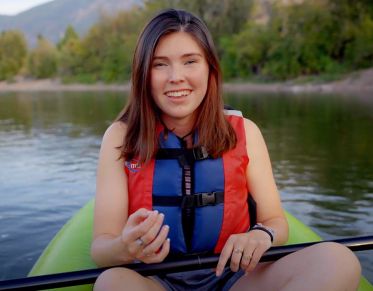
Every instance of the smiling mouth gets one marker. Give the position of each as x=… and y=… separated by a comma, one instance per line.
x=180, y=93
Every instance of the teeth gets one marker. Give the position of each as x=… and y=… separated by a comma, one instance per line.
x=178, y=93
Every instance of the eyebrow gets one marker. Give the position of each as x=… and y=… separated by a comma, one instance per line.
x=183, y=56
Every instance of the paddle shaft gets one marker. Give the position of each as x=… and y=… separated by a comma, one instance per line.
x=171, y=266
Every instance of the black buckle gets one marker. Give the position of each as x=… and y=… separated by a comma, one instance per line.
x=200, y=153
x=201, y=199
x=205, y=199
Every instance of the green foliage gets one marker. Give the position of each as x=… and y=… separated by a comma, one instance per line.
x=303, y=39
x=300, y=47
x=70, y=35
x=70, y=54
x=105, y=53
x=321, y=37
x=43, y=59
x=359, y=52
x=222, y=17
x=13, y=51
x=245, y=53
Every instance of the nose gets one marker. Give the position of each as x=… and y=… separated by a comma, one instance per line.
x=176, y=74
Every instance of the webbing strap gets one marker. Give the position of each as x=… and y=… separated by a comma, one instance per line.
x=190, y=201
x=183, y=155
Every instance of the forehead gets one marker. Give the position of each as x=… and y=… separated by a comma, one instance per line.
x=177, y=44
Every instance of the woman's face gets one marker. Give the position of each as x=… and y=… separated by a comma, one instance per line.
x=179, y=77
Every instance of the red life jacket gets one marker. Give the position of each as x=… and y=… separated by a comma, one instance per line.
x=218, y=201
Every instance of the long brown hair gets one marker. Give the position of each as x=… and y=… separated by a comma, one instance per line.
x=141, y=113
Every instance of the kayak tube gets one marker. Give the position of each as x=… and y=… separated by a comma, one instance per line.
x=69, y=250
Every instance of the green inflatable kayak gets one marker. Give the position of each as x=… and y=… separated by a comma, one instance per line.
x=70, y=248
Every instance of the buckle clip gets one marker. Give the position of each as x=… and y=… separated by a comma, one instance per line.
x=207, y=199
x=200, y=153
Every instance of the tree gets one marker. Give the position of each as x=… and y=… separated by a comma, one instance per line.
x=70, y=53
x=43, y=59
x=359, y=52
x=13, y=51
x=223, y=18
x=70, y=35
x=299, y=47
x=107, y=49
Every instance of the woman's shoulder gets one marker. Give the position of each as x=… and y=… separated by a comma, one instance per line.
x=251, y=128
x=115, y=132
x=254, y=137
x=249, y=125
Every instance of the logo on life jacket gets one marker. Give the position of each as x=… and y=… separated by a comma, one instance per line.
x=133, y=165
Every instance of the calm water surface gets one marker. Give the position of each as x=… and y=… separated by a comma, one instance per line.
x=321, y=150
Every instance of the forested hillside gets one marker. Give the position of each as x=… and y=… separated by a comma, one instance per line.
x=261, y=40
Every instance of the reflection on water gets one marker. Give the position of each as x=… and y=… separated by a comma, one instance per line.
x=49, y=143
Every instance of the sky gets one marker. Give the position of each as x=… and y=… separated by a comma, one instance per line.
x=12, y=7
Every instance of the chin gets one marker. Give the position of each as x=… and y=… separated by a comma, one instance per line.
x=179, y=114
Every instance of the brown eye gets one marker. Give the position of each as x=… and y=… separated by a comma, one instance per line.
x=190, y=62
x=159, y=64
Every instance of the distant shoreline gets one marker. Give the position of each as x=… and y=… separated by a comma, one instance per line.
x=359, y=82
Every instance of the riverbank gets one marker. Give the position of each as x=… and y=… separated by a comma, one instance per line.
x=357, y=82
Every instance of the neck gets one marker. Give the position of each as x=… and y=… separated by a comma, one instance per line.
x=180, y=127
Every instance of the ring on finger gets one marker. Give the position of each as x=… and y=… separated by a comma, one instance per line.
x=238, y=251
x=139, y=242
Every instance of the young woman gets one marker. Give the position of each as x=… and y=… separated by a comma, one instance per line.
x=174, y=175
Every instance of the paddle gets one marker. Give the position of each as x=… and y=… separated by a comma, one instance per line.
x=170, y=266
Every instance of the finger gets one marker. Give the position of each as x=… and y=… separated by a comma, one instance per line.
x=236, y=258
x=137, y=246
x=138, y=216
x=257, y=254
x=245, y=260
x=154, y=230
x=142, y=228
x=247, y=254
x=224, y=256
x=164, y=251
x=157, y=243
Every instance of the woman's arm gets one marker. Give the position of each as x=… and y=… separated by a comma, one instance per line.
x=111, y=204
x=117, y=237
x=262, y=184
x=246, y=249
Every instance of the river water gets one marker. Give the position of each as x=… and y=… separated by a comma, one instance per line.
x=320, y=146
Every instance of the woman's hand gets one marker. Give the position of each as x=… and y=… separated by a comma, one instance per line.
x=145, y=238
x=245, y=251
